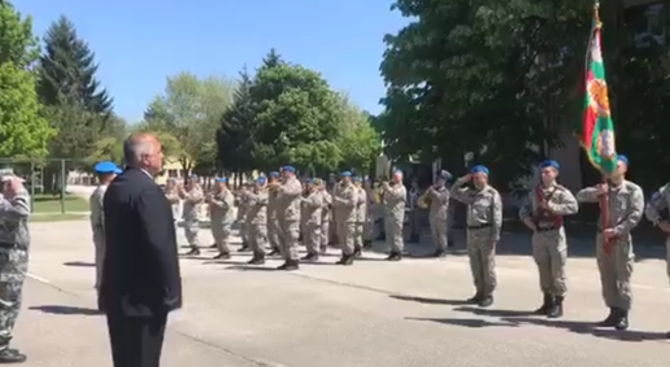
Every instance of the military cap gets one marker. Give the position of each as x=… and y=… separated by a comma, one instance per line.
x=622, y=158
x=356, y=178
x=274, y=174
x=479, y=168
x=288, y=169
x=550, y=163
x=398, y=172
x=106, y=167
x=222, y=179
x=261, y=180
x=346, y=174
x=444, y=175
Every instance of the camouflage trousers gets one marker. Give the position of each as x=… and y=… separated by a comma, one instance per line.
x=221, y=234
x=325, y=232
x=244, y=232
x=13, y=269
x=311, y=237
x=346, y=230
x=191, y=230
x=273, y=233
x=289, y=234
x=550, y=252
x=393, y=226
x=359, y=231
x=438, y=230
x=99, y=244
x=481, y=252
x=616, y=270
x=258, y=237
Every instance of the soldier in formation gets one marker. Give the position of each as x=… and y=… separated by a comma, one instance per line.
x=394, y=196
x=438, y=197
x=273, y=223
x=242, y=208
x=368, y=226
x=413, y=212
x=257, y=220
x=288, y=211
x=614, y=244
x=193, y=197
x=14, y=247
x=345, y=199
x=172, y=196
x=543, y=212
x=312, y=207
x=106, y=172
x=326, y=215
x=657, y=214
x=361, y=215
x=484, y=222
x=221, y=205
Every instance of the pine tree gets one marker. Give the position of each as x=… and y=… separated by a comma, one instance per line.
x=67, y=72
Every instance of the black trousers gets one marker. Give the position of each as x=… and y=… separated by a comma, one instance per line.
x=136, y=341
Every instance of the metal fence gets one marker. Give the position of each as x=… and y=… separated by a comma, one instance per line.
x=56, y=186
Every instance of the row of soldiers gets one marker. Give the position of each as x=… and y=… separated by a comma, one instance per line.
x=274, y=208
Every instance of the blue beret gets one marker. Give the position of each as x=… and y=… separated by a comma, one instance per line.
x=396, y=172
x=346, y=174
x=261, y=180
x=479, y=168
x=288, y=168
x=222, y=179
x=444, y=175
x=623, y=158
x=312, y=180
x=550, y=163
x=107, y=167
x=356, y=179
x=274, y=174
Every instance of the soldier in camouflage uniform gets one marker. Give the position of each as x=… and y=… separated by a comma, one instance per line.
x=438, y=196
x=657, y=213
x=273, y=223
x=543, y=213
x=345, y=199
x=368, y=226
x=172, y=196
x=14, y=246
x=361, y=215
x=288, y=212
x=484, y=220
x=193, y=197
x=326, y=215
x=242, y=208
x=614, y=244
x=257, y=220
x=312, y=207
x=394, y=197
x=221, y=204
x=106, y=172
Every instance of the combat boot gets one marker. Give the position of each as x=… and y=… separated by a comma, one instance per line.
x=245, y=247
x=556, y=309
x=394, y=256
x=485, y=301
x=622, y=320
x=611, y=320
x=358, y=251
x=346, y=260
x=193, y=252
x=476, y=298
x=258, y=259
x=311, y=256
x=367, y=244
x=9, y=355
x=546, y=305
x=222, y=256
x=289, y=265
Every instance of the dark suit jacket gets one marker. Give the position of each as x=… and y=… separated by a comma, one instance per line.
x=140, y=275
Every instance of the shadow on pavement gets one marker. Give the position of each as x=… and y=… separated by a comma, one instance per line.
x=430, y=301
x=250, y=268
x=79, y=264
x=66, y=310
x=471, y=323
x=494, y=312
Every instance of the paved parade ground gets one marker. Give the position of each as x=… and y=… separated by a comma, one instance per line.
x=375, y=313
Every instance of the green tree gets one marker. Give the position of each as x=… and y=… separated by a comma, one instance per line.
x=488, y=77
x=190, y=110
x=235, y=143
x=297, y=117
x=23, y=131
x=358, y=141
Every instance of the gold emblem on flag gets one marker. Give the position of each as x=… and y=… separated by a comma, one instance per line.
x=606, y=144
x=600, y=103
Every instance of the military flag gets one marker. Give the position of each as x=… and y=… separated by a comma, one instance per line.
x=598, y=128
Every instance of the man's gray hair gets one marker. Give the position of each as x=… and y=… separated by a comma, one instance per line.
x=137, y=145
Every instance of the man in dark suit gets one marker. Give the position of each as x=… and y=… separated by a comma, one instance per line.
x=141, y=281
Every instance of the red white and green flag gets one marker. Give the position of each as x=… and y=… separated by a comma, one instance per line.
x=598, y=127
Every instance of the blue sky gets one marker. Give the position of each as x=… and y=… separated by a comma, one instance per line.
x=138, y=43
